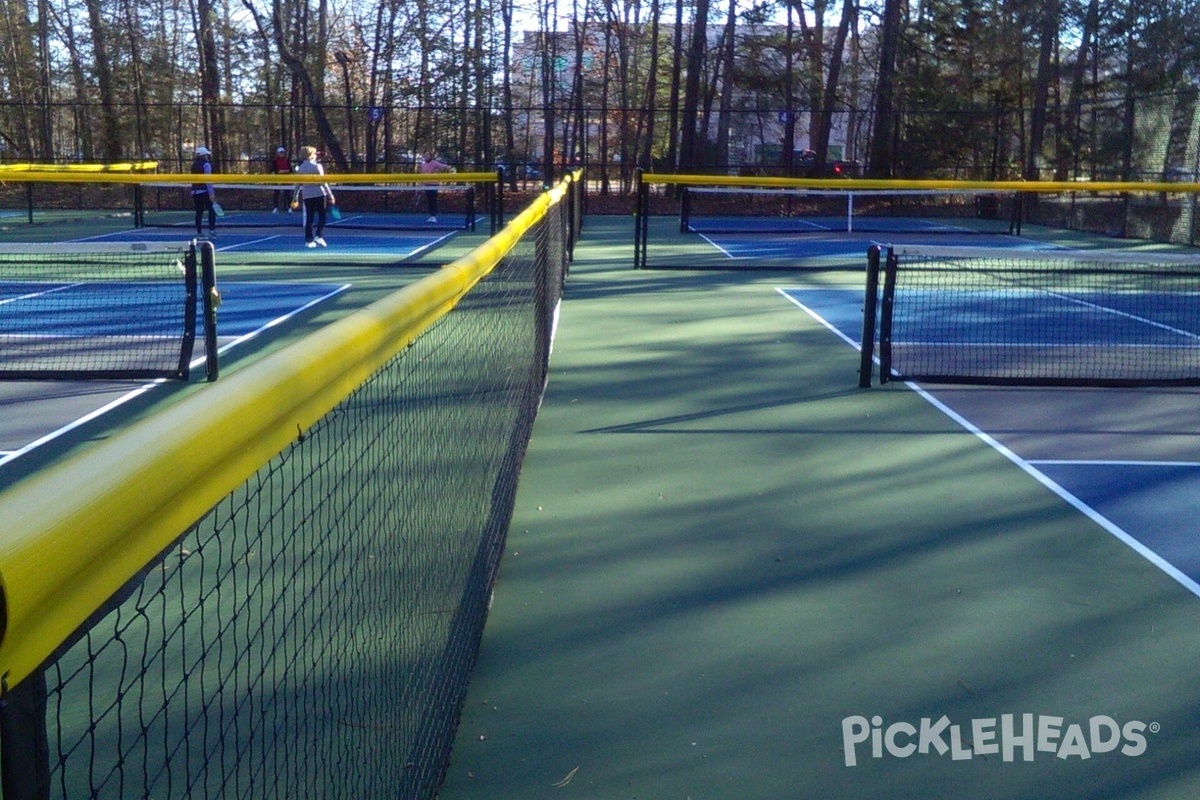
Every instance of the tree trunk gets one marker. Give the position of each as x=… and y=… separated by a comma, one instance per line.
x=821, y=146
x=691, y=92
x=645, y=160
x=1066, y=155
x=882, y=159
x=1041, y=90
x=727, y=87
x=111, y=144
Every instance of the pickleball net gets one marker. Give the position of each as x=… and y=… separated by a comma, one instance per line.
x=389, y=203
x=696, y=221
x=310, y=634
x=373, y=210
x=93, y=310
x=746, y=205
x=1051, y=317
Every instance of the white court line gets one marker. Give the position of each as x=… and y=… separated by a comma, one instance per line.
x=259, y=240
x=280, y=320
x=196, y=363
x=104, y=409
x=1111, y=462
x=1030, y=468
x=1080, y=506
x=833, y=328
x=32, y=295
x=722, y=250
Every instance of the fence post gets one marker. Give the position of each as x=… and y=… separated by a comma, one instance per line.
x=639, y=221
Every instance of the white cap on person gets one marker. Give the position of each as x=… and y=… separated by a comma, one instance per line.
x=203, y=151
x=280, y=150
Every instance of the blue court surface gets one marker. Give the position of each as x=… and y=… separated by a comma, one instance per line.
x=37, y=412
x=64, y=308
x=1144, y=318
x=231, y=239
x=844, y=223
x=1129, y=459
x=783, y=244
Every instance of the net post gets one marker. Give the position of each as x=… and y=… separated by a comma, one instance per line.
x=139, y=206
x=887, y=304
x=188, y=344
x=24, y=744
x=470, y=202
x=639, y=216
x=208, y=283
x=685, y=209
x=870, y=307
x=498, y=205
x=542, y=260
x=573, y=204
x=29, y=200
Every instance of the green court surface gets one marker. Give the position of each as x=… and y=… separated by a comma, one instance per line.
x=733, y=574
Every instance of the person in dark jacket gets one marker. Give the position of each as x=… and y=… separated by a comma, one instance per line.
x=203, y=195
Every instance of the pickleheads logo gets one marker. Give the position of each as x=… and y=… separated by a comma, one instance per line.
x=1006, y=736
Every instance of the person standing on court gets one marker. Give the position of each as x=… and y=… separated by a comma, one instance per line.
x=316, y=197
x=429, y=165
x=203, y=195
x=280, y=165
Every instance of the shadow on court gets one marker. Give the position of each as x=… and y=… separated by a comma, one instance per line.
x=733, y=574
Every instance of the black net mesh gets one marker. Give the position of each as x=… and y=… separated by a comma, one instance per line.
x=96, y=310
x=312, y=635
x=1051, y=317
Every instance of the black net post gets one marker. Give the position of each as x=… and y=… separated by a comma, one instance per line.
x=887, y=304
x=870, y=307
x=189, y=312
x=498, y=203
x=574, y=206
x=24, y=746
x=640, y=214
x=208, y=285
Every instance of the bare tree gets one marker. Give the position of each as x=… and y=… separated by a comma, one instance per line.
x=111, y=144
x=275, y=30
x=1041, y=92
x=883, y=154
x=688, y=156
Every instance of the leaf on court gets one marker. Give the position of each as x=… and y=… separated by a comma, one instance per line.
x=570, y=775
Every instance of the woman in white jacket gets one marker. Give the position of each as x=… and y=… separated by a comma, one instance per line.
x=316, y=197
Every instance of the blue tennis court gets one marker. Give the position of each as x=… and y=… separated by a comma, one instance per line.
x=790, y=243
x=392, y=245
x=126, y=308
x=1145, y=318
x=65, y=309
x=1124, y=457
x=831, y=223
x=38, y=412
